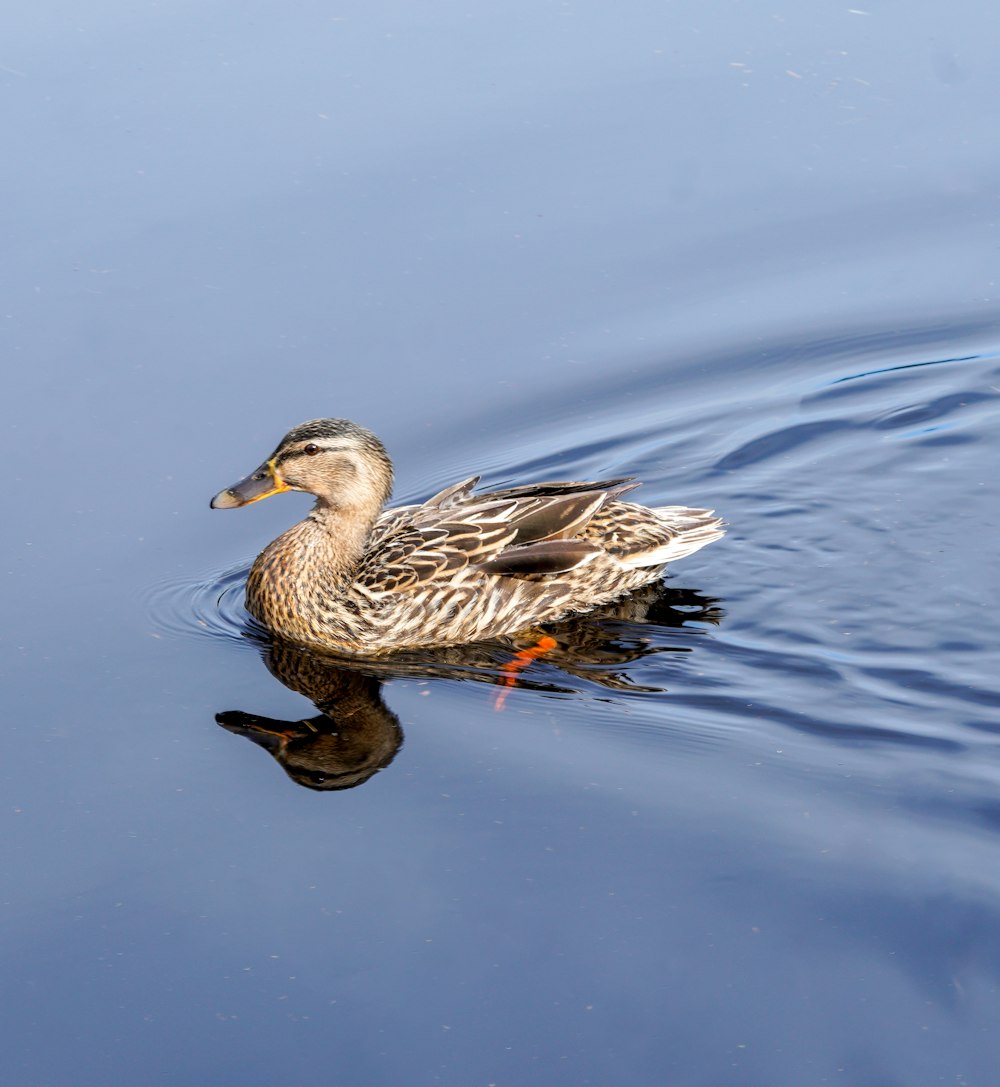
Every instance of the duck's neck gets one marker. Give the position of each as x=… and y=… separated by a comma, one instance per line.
x=296, y=578
x=337, y=537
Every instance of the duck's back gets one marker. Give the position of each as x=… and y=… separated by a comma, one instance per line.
x=463, y=567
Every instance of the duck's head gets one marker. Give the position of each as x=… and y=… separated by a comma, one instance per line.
x=343, y=464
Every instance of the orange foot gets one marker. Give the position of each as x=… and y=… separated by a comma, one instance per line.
x=521, y=660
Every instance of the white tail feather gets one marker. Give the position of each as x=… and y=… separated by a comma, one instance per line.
x=694, y=529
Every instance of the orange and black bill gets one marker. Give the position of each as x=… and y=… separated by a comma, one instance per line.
x=260, y=484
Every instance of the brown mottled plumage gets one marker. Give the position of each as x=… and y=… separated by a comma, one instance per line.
x=459, y=568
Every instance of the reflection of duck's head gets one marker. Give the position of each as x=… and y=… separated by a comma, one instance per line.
x=326, y=752
x=355, y=736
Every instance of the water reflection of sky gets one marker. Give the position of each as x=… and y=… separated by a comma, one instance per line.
x=747, y=254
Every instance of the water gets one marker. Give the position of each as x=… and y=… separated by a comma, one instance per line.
x=744, y=832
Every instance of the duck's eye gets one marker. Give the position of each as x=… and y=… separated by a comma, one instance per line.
x=311, y=449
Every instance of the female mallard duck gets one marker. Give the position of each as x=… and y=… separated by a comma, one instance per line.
x=462, y=567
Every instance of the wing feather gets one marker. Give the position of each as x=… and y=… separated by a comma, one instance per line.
x=522, y=532
x=545, y=557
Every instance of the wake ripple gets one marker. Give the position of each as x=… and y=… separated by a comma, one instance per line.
x=211, y=607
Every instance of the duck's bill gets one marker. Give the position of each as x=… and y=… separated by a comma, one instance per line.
x=261, y=484
x=262, y=730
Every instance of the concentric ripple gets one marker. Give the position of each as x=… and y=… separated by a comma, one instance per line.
x=212, y=606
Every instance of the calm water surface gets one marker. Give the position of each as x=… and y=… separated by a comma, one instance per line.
x=744, y=830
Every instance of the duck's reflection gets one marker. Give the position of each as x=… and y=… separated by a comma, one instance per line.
x=355, y=733
x=354, y=736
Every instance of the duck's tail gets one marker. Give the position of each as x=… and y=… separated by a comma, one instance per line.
x=689, y=530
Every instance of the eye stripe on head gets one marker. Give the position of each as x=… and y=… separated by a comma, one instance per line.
x=309, y=450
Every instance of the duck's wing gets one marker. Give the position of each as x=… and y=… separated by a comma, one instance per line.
x=454, y=494
x=529, y=532
x=393, y=519
x=424, y=545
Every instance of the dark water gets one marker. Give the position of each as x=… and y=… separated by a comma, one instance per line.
x=746, y=832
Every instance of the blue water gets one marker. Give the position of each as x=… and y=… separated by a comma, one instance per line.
x=743, y=832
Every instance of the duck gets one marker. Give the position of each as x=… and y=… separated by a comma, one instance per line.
x=359, y=578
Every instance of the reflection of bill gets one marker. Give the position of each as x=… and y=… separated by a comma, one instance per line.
x=356, y=734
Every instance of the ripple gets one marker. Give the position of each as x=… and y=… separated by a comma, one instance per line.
x=921, y=415
x=878, y=371
x=212, y=606
x=780, y=442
